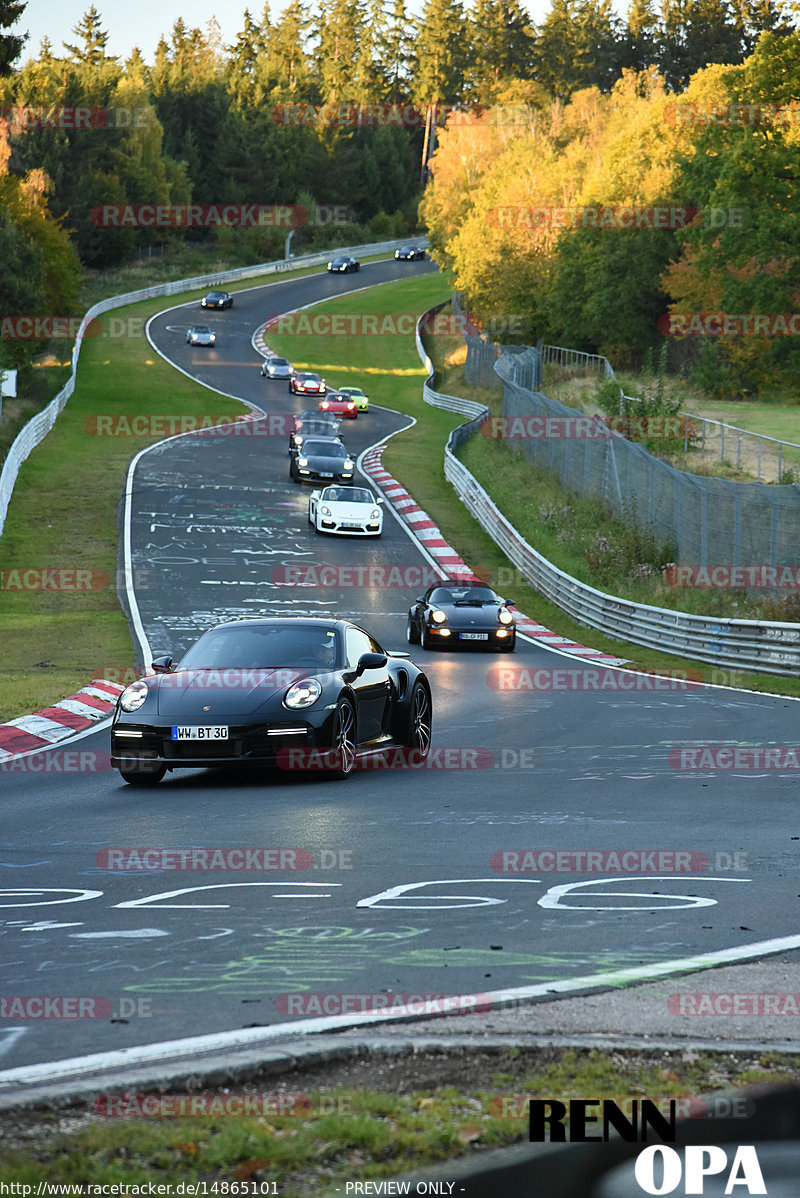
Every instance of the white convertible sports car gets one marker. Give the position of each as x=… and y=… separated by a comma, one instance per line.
x=346, y=510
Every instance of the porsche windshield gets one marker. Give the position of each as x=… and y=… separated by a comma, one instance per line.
x=265, y=647
x=323, y=449
x=464, y=596
x=347, y=495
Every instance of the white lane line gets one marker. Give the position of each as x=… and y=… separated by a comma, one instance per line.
x=151, y=1054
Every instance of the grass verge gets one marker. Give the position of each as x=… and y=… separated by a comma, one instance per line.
x=341, y=1132
x=777, y=417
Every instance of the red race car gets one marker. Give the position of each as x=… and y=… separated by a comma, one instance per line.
x=305, y=383
x=339, y=404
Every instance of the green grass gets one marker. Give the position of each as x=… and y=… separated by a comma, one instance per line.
x=777, y=417
x=63, y=515
x=342, y=1133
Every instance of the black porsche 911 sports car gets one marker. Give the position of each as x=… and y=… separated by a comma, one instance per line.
x=297, y=693
x=410, y=253
x=217, y=299
x=457, y=613
x=323, y=458
x=344, y=264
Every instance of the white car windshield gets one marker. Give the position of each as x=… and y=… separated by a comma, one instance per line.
x=347, y=495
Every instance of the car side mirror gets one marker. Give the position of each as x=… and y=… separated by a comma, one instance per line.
x=420, y=599
x=381, y=501
x=315, y=494
x=370, y=661
x=163, y=665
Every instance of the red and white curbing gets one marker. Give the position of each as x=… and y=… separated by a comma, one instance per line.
x=451, y=564
x=53, y=724
x=259, y=343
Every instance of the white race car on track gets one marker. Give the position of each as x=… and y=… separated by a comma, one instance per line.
x=346, y=510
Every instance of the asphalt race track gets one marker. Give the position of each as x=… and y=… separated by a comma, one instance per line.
x=403, y=895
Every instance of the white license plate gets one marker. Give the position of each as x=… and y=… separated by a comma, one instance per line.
x=322, y=475
x=200, y=732
x=355, y=526
x=474, y=636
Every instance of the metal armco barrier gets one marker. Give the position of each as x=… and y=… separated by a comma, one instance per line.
x=39, y=425
x=768, y=648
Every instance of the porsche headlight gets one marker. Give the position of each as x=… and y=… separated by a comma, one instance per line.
x=438, y=616
x=302, y=694
x=505, y=616
x=326, y=511
x=349, y=465
x=375, y=514
x=297, y=439
x=302, y=461
x=134, y=696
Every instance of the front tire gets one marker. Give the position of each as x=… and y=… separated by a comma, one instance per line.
x=412, y=634
x=344, y=740
x=143, y=774
x=426, y=640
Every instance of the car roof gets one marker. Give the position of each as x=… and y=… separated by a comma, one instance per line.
x=288, y=621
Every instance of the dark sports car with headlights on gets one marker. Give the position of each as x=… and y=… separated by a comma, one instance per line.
x=344, y=264
x=322, y=458
x=296, y=693
x=312, y=430
x=410, y=253
x=217, y=299
x=457, y=613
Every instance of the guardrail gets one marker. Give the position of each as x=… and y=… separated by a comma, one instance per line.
x=561, y=356
x=37, y=428
x=436, y=399
x=763, y=646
